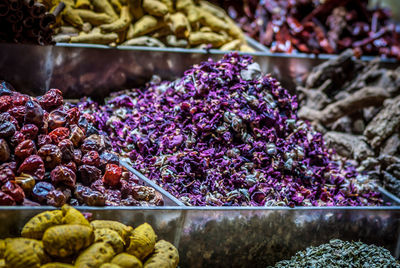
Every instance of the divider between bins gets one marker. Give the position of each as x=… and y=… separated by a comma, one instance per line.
x=168, y=198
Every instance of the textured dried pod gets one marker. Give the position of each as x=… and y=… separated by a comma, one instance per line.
x=14, y=190
x=25, y=149
x=34, y=113
x=142, y=241
x=67, y=150
x=76, y=135
x=91, y=158
x=7, y=129
x=30, y=131
x=67, y=240
x=33, y=165
x=6, y=174
x=17, y=138
x=77, y=156
x=73, y=116
x=6, y=200
x=43, y=139
x=56, y=198
x=24, y=252
x=88, y=174
x=87, y=196
x=57, y=118
x=37, y=225
x=51, y=100
x=17, y=112
x=4, y=151
x=59, y=134
x=62, y=175
x=51, y=155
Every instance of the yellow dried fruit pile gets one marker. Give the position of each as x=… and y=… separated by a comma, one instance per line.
x=156, y=23
x=64, y=238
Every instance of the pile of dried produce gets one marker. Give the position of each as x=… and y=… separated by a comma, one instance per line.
x=26, y=21
x=338, y=253
x=65, y=238
x=224, y=135
x=156, y=23
x=316, y=26
x=357, y=107
x=52, y=155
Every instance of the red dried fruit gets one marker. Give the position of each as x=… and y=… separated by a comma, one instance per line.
x=87, y=196
x=73, y=116
x=57, y=118
x=59, y=134
x=77, y=156
x=10, y=165
x=14, y=190
x=25, y=149
x=33, y=113
x=44, y=129
x=6, y=174
x=6, y=200
x=5, y=103
x=88, y=174
x=72, y=166
x=51, y=100
x=77, y=135
x=56, y=198
x=43, y=139
x=6, y=117
x=67, y=150
x=18, y=112
x=91, y=158
x=26, y=181
x=30, y=131
x=112, y=175
x=62, y=175
x=17, y=138
x=41, y=190
x=51, y=155
x=33, y=165
x=4, y=151
x=20, y=99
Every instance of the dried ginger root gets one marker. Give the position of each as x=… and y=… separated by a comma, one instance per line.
x=24, y=252
x=37, y=225
x=73, y=216
x=144, y=26
x=57, y=265
x=165, y=255
x=95, y=38
x=66, y=240
x=198, y=38
x=179, y=24
x=95, y=255
x=135, y=6
x=84, y=4
x=155, y=8
x=103, y=6
x=232, y=45
x=109, y=265
x=123, y=230
x=93, y=18
x=119, y=25
x=71, y=16
x=142, y=241
x=116, y=4
x=125, y=260
x=111, y=237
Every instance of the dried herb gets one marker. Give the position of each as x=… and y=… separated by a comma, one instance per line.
x=338, y=253
x=224, y=135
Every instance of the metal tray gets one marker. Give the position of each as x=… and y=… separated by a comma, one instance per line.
x=242, y=237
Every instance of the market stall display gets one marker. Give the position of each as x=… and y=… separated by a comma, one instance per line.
x=357, y=107
x=65, y=238
x=26, y=22
x=224, y=135
x=152, y=23
x=50, y=154
x=326, y=27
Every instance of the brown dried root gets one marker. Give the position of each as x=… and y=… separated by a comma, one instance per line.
x=119, y=25
x=104, y=6
x=71, y=16
x=144, y=26
x=155, y=8
x=95, y=38
x=93, y=17
x=179, y=24
x=85, y=4
x=198, y=38
x=144, y=41
x=135, y=6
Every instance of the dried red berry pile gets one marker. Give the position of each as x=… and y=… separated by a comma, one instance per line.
x=316, y=26
x=52, y=155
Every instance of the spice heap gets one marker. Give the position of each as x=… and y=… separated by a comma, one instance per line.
x=51, y=155
x=319, y=26
x=25, y=21
x=338, y=253
x=152, y=23
x=223, y=135
x=357, y=107
x=65, y=238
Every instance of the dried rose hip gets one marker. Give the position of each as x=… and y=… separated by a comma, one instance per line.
x=33, y=113
x=30, y=131
x=67, y=150
x=18, y=112
x=59, y=134
x=20, y=99
x=7, y=129
x=17, y=138
x=56, y=198
x=51, y=100
x=72, y=166
x=91, y=158
x=5, y=103
x=76, y=135
x=112, y=175
x=73, y=115
x=87, y=196
x=6, y=200
x=6, y=174
x=4, y=151
x=26, y=181
x=41, y=190
x=14, y=190
x=57, y=118
x=34, y=166
x=43, y=139
x=77, y=156
x=88, y=174
x=25, y=149
x=62, y=175
x=51, y=155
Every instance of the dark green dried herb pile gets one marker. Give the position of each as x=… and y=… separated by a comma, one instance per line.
x=338, y=253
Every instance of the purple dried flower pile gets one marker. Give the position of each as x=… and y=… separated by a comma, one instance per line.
x=224, y=135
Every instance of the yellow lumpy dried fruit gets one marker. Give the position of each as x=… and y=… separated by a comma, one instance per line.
x=110, y=265
x=142, y=241
x=37, y=225
x=125, y=260
x=24, y=252
x=66, y=240
x=95, y=255
x=73, y=216
x=123, y=230
x=57, y=265
x=111, y=237
x=165, y=255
